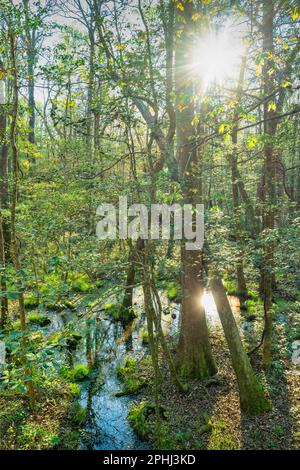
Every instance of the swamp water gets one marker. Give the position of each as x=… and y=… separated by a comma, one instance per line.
x=105, y=345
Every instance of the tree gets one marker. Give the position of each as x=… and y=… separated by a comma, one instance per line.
x=194, y=350
x=252, y=398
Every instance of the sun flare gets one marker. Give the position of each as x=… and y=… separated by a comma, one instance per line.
x=216, y=58
x=210, y=308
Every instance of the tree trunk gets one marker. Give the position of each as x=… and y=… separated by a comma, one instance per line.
x=90, y=91
x=14, y=242
x=241, y=281
x=31, y=55
x=194, y=355
x=269, y=180
x=4, y=200
x=132, y=260
x=4, y=300
x=252, y=398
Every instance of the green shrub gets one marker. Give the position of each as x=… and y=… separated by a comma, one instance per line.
x=74, y=389
x=137, y=419
x=79, y=414
x=78, y=373
x=253, y=306
x=173, y=291
x=35, y=436
x=16, y=325
x=145, y=337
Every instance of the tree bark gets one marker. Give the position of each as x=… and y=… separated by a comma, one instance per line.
x=4, y=200
x=194, y=355
x=241, y=281
x=30, y=34
x=14, y=242
x=131, y=272
x=269, y=180
x=252, y=398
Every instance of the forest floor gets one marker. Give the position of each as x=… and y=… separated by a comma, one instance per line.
x=209, y=415
x=53, y=423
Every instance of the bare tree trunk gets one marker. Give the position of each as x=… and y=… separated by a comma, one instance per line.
x=4, y=241
x=4, y=200
x=90, y=91
x=4, y=300
x=131, y=272
x=252, y=398
x=14, y=242
x=241, y=281
x=31, y=54
x=269, y=181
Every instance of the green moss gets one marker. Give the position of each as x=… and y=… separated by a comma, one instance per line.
x=39, y=319
x=80, y=283
x=113, y=310
x=255, y=402
x=30, y=300
x=65, y=338
x=56, y=306
x=69, y=305
x=56, y=338
x=120, y=313
x=129, y=374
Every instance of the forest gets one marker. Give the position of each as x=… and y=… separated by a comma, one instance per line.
x=149, y=225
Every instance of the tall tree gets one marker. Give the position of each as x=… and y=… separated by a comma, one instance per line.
x=194, y=353
x=269, y=192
